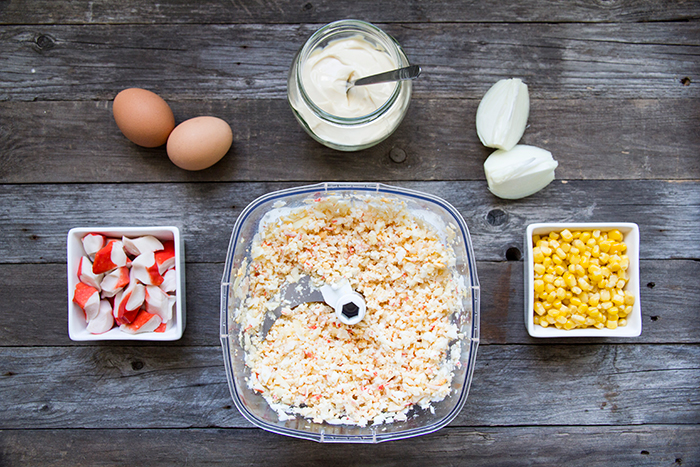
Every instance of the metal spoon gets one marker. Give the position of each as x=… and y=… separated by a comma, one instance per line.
x=400, y=74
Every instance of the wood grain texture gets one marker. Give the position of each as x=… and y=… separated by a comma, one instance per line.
x=667, y=213
x=227, y=62
x=641, y=446
x=46, y=142
x=37, y=316
x=270, y=11
x=126, y=386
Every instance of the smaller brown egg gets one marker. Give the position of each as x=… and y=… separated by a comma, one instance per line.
x=199, y=142
x=143, y=116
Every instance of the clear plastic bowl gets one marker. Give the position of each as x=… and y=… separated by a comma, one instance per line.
x=253, y=406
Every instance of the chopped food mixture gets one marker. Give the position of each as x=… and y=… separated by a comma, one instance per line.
x=400, y=355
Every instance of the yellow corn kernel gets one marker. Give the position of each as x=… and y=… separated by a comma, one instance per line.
x=569, y=295
x=595, y=250
x=583, y=309
x=561, y=293
x=622, y=312
x=578, y=319
x=557, y=260
x=585, y=236
x=615, y=235
x=611, y=324
x=539, y=269
x=604, y=258
x=547, y=261
x=583, y=284
x=539, y=308
x=566, y=247
x=606, y=305
x=618, y=299
x=568, y=325
x=567, y=235
x=546, y=250
x=595, y=273
x=599, y=325
x=605, y=246
x=549, y=288
x=542, y=243
x=553, y=312
x=580, y=271
x=561, y=320
x=605, y=271
x=537, y=255
x=546, y=305
x=569, y=279
x=594, y=299
x=576, y=290
x=590, y=322
x=551, y=298
x=560, y=253
x=559, y=282
x=556, y=304
x=614, y=266
x=605, y=295
x=535, y=239
x=536, y=319
x=539, y=285
x=549, y=278
x=622, y=322
x=574, y=259
x=553, y=235
x=579, y=244
x=550, y=320
x=629, y=298
x=620, y=284
x=559, y=270
x=595, y=234
x=544, y=323
x=575, y=301
x=553, y=244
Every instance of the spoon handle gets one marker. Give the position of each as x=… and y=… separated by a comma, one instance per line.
x=410, y=72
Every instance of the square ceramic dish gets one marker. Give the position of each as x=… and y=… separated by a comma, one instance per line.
x=77, y=326
x=253, y=406
x=630, y=232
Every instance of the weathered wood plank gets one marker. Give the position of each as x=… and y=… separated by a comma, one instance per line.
x=37, y=218
x=179, y=11
x=36, y=316
x=591, y=139
x=227, y=62
x=127, y=386
x=650, y=445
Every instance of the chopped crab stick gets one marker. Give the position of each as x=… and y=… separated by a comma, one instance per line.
x=169, y=281
x=165, y=258
x=85, y=274
x=144, y=322
x=157, y=303
x=128, y=302
x=92, y=243
x=88, y=299
x=109, y=257
x=104, y=321
x=115, y=281
x=162, y=328
x=140, y=245
x=145, y=269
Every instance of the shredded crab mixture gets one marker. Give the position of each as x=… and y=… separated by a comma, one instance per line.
x=400, y=355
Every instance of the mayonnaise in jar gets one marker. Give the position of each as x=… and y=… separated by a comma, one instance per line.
x=318, y=92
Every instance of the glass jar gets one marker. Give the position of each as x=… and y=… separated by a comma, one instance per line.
x=348, y=133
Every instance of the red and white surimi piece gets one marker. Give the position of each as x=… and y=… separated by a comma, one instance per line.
x=92, y=243
x=144, y=322
x=157, y=303
x=85, y=274
x=140, y=245
x=88, y=299
x=115, y=281
x=165, y=258
x=145, y=269
x=104, y=321
x=128, y=302
x=109, y=257
x=169, y=281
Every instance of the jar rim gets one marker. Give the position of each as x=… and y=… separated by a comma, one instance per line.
x=391, y=45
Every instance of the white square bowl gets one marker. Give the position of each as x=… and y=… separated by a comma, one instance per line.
x=630, y=231
x=77, y=326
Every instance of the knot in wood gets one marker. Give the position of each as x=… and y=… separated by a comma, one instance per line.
x=397, y=155
x=496, y=217
x=45, y=42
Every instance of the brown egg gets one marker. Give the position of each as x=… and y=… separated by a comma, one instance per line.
x=199, y=142
x=143, y=116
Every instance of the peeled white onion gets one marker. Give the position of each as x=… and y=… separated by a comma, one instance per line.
x=520, y=172
x=502, y=114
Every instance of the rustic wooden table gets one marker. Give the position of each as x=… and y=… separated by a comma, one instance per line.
x=615, y=96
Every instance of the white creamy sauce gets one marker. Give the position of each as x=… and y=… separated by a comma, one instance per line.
x=327, y=71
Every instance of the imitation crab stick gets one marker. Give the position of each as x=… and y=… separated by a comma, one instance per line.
x=144, y=322
x=145, y=269
x=109, y=257
x=85, y=274
x=165, y=258
x=140, y=245
x=88, y=299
